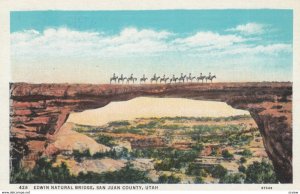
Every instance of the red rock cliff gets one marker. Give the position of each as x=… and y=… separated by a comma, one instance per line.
x=37, y=111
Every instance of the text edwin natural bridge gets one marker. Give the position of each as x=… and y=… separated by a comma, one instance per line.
x=37, y=111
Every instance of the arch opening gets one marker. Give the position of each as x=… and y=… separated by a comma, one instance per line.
x=165, y=138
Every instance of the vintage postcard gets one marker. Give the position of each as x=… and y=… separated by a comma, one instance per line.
x=128, y=95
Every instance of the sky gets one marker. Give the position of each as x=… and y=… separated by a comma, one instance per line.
x=89, y=46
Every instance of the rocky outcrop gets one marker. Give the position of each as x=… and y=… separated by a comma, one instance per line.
x=37, y=111
x=67, y=140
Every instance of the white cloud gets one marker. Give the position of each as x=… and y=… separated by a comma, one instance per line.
x=207, y=41
x=209, y=38
x=64, y=41
x=131, y=41
x=249, y=29
x=272, y=49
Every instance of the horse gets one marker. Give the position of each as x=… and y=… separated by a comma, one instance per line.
x=143, y=79
x=210, y=78
x=154, y=79
x=201, y=77
x=173, y=79
x=163, y=79
x=182, y=78
x=190, y=78
x=114, y=78
x=131, y=78
x=121, y=78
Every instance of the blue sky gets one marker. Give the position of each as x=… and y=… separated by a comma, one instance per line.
x=88, y=46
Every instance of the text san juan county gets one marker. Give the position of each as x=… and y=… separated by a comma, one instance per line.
x=98, y=187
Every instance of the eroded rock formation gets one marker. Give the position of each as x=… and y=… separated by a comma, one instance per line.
x=37, y=111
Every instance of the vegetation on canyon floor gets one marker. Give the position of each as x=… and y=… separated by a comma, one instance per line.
x=162, y=150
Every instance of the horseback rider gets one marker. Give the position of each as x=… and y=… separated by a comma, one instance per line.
x=163, y=79
x=143, y=79
x=189, y=77
x=154, y=76
x=113, y=78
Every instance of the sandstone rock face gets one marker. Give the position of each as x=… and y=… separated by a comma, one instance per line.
x=38, y=111
x=68, y=140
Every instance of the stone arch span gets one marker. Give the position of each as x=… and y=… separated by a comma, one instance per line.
x=37, y=111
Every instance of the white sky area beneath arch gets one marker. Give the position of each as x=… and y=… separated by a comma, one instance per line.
x=153, y=107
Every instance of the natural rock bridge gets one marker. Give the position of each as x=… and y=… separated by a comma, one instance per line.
x=37, y=111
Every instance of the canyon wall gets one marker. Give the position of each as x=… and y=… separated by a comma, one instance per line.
x=37, y=111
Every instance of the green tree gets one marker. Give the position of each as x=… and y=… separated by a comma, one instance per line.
x=218, y=171
x=242, y=169
x=79, y=155
x=105, y=140
x=44, y=172
x=246, y=152
x=233, y=178
x=260, y=172
x=194, y=169
x=198, y=147
x=125, y=175
x=168, y=179
x=213, y=152
x=226, y=154
x=243, y=160
x=198, y=180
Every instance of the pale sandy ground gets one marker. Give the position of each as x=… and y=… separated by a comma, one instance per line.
x=96, y=165
x=153, y=107
x=68, y=140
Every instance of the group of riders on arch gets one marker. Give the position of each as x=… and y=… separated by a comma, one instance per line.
x=162, y=79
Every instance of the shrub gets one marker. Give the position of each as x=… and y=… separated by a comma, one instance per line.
x=213, y=152
x=167, y=164
x=124, y=175
x=174, y=127
x=150, y=125
x=242, y=169
x=128, y=130
x=260, y=172
x=118, y=123
x=199, y=180
x=43, y=172
x=168, y=179
x=194, y=169
x=243, y=160
x=198, y=147
x=246, y=153
x=233, y=178
x=226, y=154
x=105, y=140
x=218, y=171
x=78, y=155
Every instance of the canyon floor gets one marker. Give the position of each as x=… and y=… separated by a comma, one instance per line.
x=165, y=149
